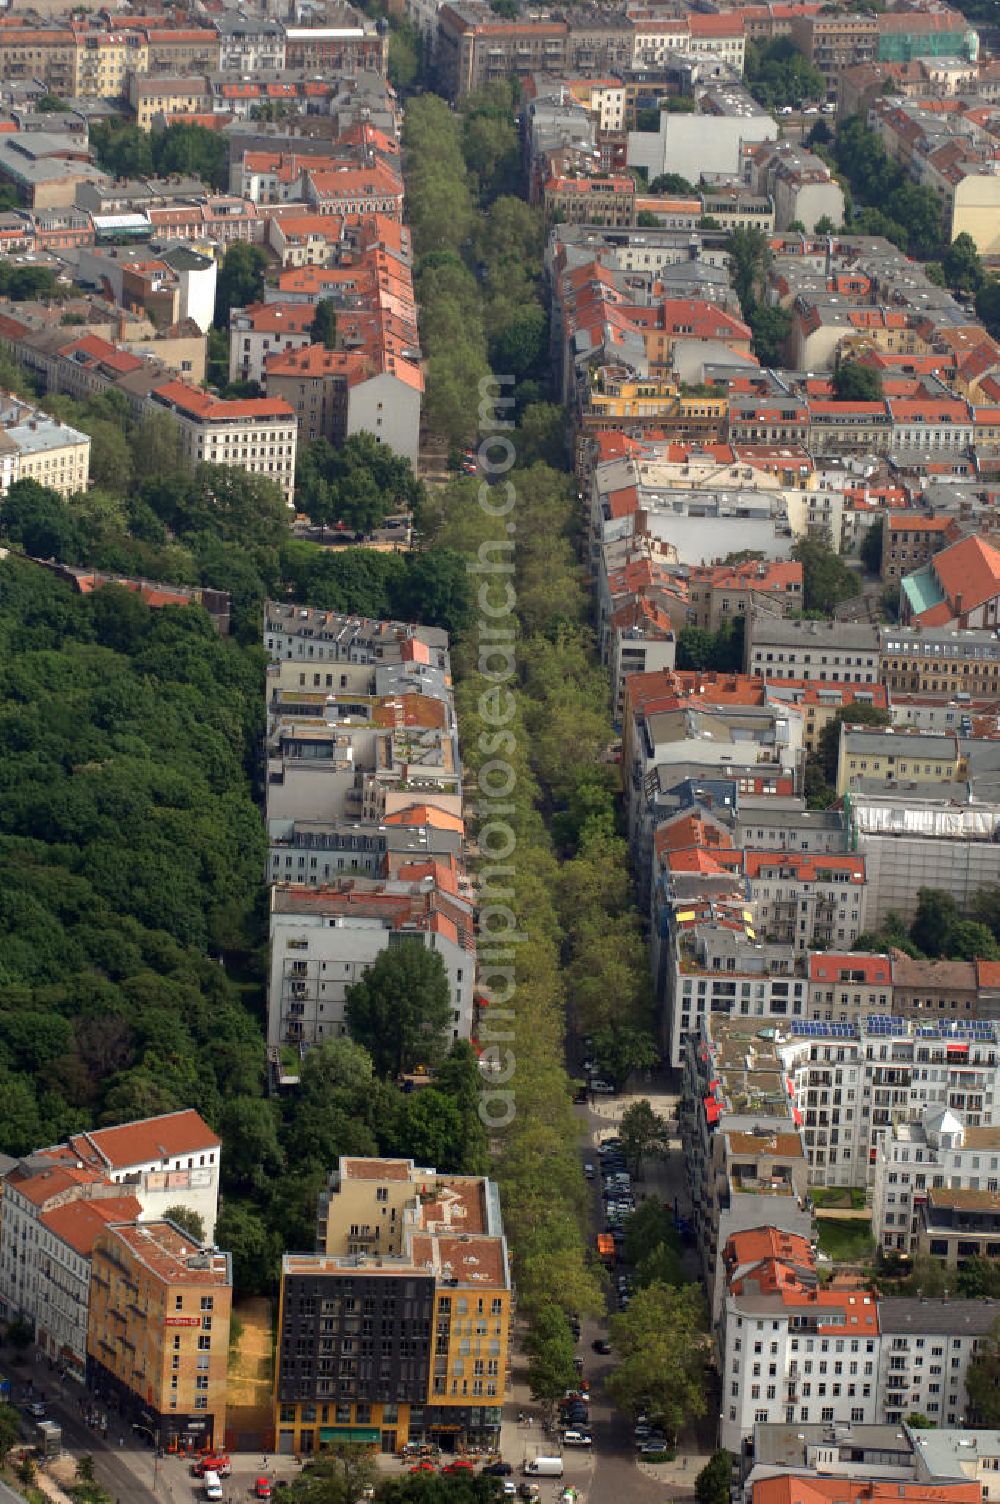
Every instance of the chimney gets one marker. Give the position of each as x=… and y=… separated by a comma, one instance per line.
x=958, y=604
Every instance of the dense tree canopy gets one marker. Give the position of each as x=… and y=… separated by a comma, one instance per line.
x=401, y=1009
x=779, y=74
x=893, y=205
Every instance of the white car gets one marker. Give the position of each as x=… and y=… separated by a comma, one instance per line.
x=577, y=1439
x=602, y=1088
x=509, y=1489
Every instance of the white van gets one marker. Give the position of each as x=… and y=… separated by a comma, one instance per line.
x=577, y=1439
x=543, y=1467
x=213, y=1486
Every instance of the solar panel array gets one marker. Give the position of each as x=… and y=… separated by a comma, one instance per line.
x=814, y=1028
x=887, y=1027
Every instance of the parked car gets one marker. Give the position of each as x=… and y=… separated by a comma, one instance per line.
x=262, y=1489
x=498, y=1470
x=509, y=1488
x=601, y=1345
x=577, y=1439
x=602, y=1088
x=589, y=1171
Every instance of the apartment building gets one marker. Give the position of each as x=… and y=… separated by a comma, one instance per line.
x=170, y=1160
x=60, y=1297
x=836, y=40
x=151, y=96
x=792, y=1351
x=937, y=1154
x=255, y=434
x=919, y=834
x=249, y=45
x=830, y=652
x=158, y=1334
x=304, y=634
x=819, y=703
x=475, y=47
x=48, y=54
x=324, y=938
x=872, y=755
x=798, y=183
x=797, y=1354
x=804, y=900
x=421, y=1259
x=926, y=1349
x=359, y=46
x=910, y=540
x=34, y=446
x=597, y=200
x=844, y=986
x=336, y=393
x=744, y=1151
x=56, y=1200
x=32, y=1282
x=940, y=661
x=262, y=330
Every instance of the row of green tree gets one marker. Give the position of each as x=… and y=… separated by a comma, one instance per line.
x=885, y=200
x=127, y=151
x=479, y=256
x=148, y=514
x=941, y=931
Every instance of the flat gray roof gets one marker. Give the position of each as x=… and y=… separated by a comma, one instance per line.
x=957, y=1318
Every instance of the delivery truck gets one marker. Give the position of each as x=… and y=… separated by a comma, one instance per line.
x=543, y=1467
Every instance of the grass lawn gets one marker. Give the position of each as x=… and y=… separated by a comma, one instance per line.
x=845, y=1197
x=846, y=1242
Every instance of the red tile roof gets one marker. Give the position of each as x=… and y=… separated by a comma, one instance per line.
x=167, y=1137
x=969, y=569
x=827, y=966
x=189, y=399
x=79, y=1222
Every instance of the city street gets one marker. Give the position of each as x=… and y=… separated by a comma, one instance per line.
x=611, y=1470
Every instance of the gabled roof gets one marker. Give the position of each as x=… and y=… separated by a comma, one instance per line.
x=166, y=1137
x=79, y=1222
x=968, y=571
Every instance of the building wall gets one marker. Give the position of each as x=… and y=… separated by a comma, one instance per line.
x=899, y=865
x=313, y=963
x=390, y=410
x=696, y=144
x=925, y=1373
x=976, y=212
x=139, y=1324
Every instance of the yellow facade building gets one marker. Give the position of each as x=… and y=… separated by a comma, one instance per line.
x=397, y=1329
x=158, y=1332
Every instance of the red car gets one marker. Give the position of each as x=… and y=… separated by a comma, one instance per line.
x=262, y=1488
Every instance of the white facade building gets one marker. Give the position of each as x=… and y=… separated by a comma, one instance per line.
x=938, y=1153
x=257, y=434
x=324, y=939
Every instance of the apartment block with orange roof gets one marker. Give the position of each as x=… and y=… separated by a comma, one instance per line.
x=424, y=1255
x=256, y=434
x=261, y=330
x=57, y=1200
x=158, y=1332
